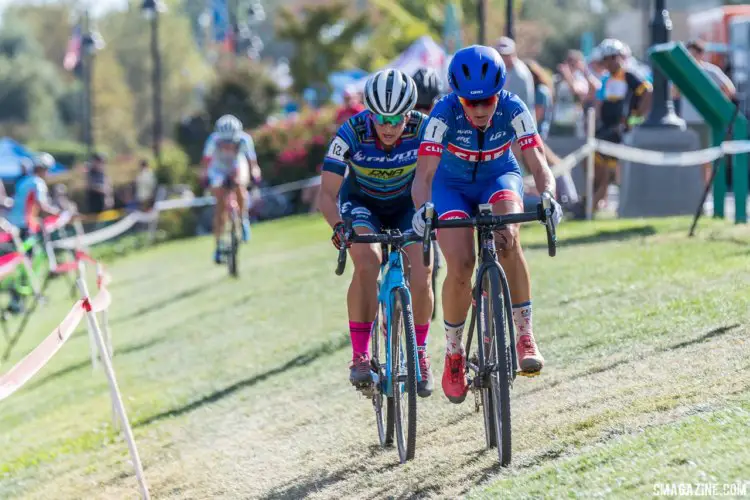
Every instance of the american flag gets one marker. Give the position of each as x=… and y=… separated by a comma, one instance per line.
x=73, y=52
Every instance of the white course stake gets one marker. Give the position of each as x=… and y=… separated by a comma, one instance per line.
x=92, y=340
x=590, y=163
x=114, y=390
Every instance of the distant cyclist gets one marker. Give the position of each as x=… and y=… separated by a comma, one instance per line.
x=428, y=89
x=229, y=163
x=464, y=161
x=379, y=148
x=31, y=199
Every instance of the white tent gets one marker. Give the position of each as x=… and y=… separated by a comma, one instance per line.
x=424, y=52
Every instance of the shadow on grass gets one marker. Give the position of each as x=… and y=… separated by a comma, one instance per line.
x=299, y=361
x=599, y=237
x=721, y=330
x=158, y=305
x=87, y=362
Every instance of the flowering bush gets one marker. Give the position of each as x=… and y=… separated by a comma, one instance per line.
x=293, y=148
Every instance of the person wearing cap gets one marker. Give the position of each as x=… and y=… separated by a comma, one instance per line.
x=519, y=81
x=687, y=111
x=31, y=197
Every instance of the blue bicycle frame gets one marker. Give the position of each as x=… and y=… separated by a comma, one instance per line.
x=391, y=279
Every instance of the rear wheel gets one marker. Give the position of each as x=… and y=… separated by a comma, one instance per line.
x=404, y=373
x=495, y=366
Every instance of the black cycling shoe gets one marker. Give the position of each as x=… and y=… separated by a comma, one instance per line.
x=426, y=385
x=360, y=374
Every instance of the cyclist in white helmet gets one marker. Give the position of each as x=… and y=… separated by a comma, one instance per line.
x=379, y=149
x=229, y=162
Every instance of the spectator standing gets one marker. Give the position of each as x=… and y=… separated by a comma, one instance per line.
x=352, y=106
x=145, y=186
x=688, y=112
x=98, y=186
x=543, y=97
x=519, y=80
x=576, y=91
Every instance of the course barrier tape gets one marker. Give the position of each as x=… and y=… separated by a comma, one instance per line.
x=565, y=166
x=29, y=366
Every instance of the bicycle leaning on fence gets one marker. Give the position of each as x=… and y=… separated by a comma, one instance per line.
x=393, y=359
x=493, y=368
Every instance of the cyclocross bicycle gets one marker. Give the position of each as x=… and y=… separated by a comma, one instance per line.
x=393, y=337
x=493, y=368
x=231, y=241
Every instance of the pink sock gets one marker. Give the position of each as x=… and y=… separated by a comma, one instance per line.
x=360, y=333
x=422, y=331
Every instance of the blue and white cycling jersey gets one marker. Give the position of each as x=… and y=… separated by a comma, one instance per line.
x=218, y=159
x=377, y=190
x=221, y=163
x=30, y=190
x=477, y=166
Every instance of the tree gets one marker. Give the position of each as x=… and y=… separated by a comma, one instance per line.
x=183, y=68
x=28, y=84
x=323, y=37
x=112, y=117
x=246, y=92
x=44, y=21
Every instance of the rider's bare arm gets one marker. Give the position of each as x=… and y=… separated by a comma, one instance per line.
x=536, y=162
x=421, y=188
x=330, y=185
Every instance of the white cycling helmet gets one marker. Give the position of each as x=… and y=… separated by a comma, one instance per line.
x=390, y=93
x=44, y=160
x=613, y=47
x=228, y=127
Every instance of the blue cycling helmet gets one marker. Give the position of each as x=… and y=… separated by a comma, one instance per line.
x=476, y=72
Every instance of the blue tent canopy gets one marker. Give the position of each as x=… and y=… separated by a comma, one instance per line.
x=11, y=154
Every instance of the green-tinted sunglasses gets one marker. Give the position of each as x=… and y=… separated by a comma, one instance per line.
x=388, y=120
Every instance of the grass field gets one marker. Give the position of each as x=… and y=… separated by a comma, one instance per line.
x=238, y=389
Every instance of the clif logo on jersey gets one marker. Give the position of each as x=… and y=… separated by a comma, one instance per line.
x=472, y=155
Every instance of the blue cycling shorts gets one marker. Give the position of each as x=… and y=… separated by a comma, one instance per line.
x=455, y=198
x=375, y=214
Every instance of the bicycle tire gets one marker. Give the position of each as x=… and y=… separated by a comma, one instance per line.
x=233, y=246
x=435, y=272
x=402, y=325
x=496, y=388
x=382, y=404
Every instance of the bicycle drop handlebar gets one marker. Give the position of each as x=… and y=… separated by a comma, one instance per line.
x=387, y=238
x=543, y=214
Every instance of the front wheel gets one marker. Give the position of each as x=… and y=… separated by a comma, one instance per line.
x=495, y=365
x=403, y=374
x=233, y=244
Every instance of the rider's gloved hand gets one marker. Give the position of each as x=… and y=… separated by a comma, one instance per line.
x=557, y=213
x=339, y=236
x=418, y=221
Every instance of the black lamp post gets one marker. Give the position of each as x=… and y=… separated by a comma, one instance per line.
x=662, y=109
x=509, y=18
x=152, y=10
x=482, y=22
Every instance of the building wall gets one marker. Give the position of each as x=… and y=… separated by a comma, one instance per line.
x=633, y=26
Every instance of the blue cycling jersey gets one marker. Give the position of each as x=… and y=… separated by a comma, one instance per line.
x=470, y=154
x=376, y=174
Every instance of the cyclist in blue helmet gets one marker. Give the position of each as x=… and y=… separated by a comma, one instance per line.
x=465, y=160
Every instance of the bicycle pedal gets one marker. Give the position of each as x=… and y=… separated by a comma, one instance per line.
x=529, y=374
x=367, y=390
x=477, y=402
